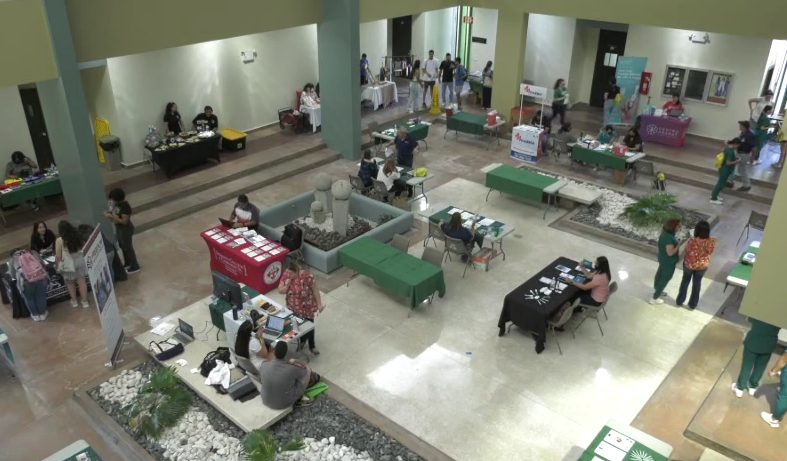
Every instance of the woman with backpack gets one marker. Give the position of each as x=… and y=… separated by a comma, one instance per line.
x=32, y=280
x=70, y=262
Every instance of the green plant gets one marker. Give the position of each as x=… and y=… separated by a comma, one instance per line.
x=160, y=403
x=261, y=445
x=652, y=210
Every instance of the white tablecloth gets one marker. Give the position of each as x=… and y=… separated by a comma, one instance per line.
x=315, y=116
x=383, y=93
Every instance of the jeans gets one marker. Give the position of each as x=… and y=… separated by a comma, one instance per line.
x=35, y=296
x=414, y=104
x=559, y=108
x=663, y=275
x=487, y=97
x=459, y=85
x=743, y=168
x=724, y=175
x=124, y=236
x=446, y=89
x=695, y=278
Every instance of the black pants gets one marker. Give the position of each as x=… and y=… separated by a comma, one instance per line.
x=486, y=97
x=559, y=109
x=124, y=236
x=309, y=337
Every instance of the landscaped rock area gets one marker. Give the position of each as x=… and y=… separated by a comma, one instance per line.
x=325, y=238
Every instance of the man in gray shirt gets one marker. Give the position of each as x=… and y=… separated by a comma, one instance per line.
x=283, y=381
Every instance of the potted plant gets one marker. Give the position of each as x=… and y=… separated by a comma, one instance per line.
x=261, y=445
x=652, y=210
x=159, y=404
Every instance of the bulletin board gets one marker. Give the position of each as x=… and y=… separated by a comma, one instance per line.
x=673, y=80
x=702, y=85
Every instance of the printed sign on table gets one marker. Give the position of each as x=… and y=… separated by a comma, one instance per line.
x=524, y=143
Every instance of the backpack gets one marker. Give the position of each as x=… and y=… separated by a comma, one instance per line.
x=209, y=362
x=292, y=237
x=30, y=266
x=718, y=162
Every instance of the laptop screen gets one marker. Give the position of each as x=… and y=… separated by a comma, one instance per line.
x=275, y=323
x=185, y=328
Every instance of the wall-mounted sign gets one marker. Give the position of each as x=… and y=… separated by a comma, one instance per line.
x=478, y=40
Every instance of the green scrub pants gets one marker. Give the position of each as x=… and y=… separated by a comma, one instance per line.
x=724, y=175
x=781, y=402
x=752, y=369
x=663, y=275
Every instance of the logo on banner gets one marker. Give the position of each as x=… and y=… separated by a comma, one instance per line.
x=538, y=92
x=529, y=141
x=231, y=266
x=272, y=273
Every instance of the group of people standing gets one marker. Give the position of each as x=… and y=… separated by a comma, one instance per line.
x=451, y=74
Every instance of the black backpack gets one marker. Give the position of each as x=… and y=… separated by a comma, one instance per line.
x=292, y=238
x=209, y=362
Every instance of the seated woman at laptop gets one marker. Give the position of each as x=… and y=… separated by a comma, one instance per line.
x=456, y=230
x=244, y=213
x=595, y=290
x=633, y=140
x=249, y=345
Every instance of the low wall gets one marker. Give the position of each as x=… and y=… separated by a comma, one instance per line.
x=276, y=217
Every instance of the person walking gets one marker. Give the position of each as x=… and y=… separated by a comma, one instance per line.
x=668, y=258
x=756, y=108
x=757, y=348
x=447, y=80
x=487, y=77
x=120, y=214
x=748, y=141
x=416, y=86
x=460, y=77
x=70, y=262
x=761, y=133
x=725, y=170
x=610, y=93
x=428, y=76
x=773, y=419
x=559, y=96
x=696, y=260
x=303, y=297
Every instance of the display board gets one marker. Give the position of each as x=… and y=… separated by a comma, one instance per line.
x=696, y=83
x=673, y=81
x=702, y=85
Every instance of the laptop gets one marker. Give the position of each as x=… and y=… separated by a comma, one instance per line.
x=227, y=223
x=275, y=326
x=185, y=333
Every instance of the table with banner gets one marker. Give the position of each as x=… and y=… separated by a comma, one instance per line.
x=670, y=131
x=186, y=154
x=246, y=257
x=604, y=157
x=524, y=143
x=380, y=94
x=30, y=189
x=394, y=270
x=617, y=441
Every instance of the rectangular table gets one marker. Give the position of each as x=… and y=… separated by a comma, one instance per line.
x=644, y=447
x=528, y=314
x=418, y=131
x=523, y=183
x=741, y=273
x=607, y=159
x=28, y=191
x=476, y=124
x=399, y=272
x=235, y=263
x=670, y=131
x=416, y=182
x=172, y=160
x=493, y=233
x=380, y=94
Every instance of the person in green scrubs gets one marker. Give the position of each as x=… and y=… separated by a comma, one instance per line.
x=763, y=125
x=668, y=258
x=757, y=348
x=773, y=419
x=726, y=170
x=607, y=135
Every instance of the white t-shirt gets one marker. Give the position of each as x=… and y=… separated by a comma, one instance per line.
x=431, y=67
x=243, y=215
x=254, y=347
x=388, y=180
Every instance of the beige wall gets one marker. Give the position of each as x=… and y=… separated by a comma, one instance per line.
x=583, y=61
x=14, y=134
x=25, y=49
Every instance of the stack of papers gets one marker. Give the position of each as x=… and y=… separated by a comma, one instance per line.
x=486, y=222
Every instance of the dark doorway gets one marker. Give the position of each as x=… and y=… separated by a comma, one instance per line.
x=401, y=35
x=611, y=45
x=37, y=127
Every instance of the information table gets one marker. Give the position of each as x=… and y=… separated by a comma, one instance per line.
x=519, y=182
x=397, y=271
x=418, y=131
x=174, y=159
x=487, y=229
x=256, y=262
x=32, y=189
x=465, y=122
x=670, y=131
x=741, y=273
x=621, y=442
x=380, y=94
x=604, y=157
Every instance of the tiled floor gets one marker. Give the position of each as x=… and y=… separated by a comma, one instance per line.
x=441, y=372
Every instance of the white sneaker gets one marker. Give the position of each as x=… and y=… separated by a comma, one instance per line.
x=656, y=301
x=35, y=318
x=738, y=392
x=753, y=390
x=74, y=303
x=41, y=318
x=85, y=304
x=717, y=202
x=768, y=418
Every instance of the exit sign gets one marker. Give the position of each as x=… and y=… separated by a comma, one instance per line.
x=467, y=19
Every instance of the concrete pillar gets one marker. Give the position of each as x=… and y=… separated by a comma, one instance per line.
x=68, y=125
x=509, y=63
x=339, y=48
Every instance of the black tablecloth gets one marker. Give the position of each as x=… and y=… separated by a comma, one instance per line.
x=530, y=315
x=173, y=160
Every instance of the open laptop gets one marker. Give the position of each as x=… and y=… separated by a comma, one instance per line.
x=275, y=326
x=185, y=333
x=227, y=223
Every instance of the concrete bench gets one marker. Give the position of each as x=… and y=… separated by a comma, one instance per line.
x=579, y=194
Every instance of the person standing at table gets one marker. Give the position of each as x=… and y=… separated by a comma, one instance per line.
x=245, y=213
x=456, y=230
x=559, y=95
x=206, y=120
x=763, y=125
x=172, y=121
x=460, y=77
x=32, y=280
x=120, y=214
x=668, y=258
x=774, y=419
x=303, y=297
x=745, y=148
x=487, y=77
x=71, y=263
x=364, y=70
x=42, y=241
x=428, y=76
x=20, y=166
x=416, y=86
x=368, y=169
x=610, y=93
x=446, y=75
x=405, y=147
x=756, y=107
x=696, y=260
x=758, y=345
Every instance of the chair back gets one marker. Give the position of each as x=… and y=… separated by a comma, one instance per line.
x=400, y=242
x=380, y=191
x=433, y=256
x=357, y=184
x=645, y=167
x=298, y=94
x=613, y=287
x=435, y=231
x=758, y=220
x=456, y=246
x=564, y=317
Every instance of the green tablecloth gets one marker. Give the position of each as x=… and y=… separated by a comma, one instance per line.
x=394, y=270
x=443, y=216
x=515, y=181
x=476, y=86
x=43, y=188
x=637, y=452
x=606, y=159
x=743, y=271
x=467, y=123
x=418, y=131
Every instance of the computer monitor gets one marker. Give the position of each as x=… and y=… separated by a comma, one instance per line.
x=227, y=289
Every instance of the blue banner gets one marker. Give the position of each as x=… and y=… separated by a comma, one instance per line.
x=628, y=75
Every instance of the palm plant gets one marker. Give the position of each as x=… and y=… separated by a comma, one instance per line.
x=652, y=210
x=261, y=445
x=160, y=403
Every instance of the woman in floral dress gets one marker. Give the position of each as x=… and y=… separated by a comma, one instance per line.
x=303, y=297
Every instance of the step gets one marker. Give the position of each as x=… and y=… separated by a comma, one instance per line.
x=667, y=160
x=707, y=181
x=227, y=190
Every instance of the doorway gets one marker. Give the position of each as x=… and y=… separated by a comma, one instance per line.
x=37, y=126
x=611, y=45
x=401, y=35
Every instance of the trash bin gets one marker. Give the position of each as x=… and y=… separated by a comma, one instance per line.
x=112, y=153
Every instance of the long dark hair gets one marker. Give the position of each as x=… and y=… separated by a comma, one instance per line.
x=48, y=238
x=602, y=267
x=70, y=235
x=557, y=83
x=456, y=221
x=242, y=339
x=702, y=230
x=488, y=66
x=417, y=64
x=168, y=110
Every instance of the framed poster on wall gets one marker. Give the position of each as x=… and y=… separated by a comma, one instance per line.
x=673, y=80
x=696, y=82
x=719, y=89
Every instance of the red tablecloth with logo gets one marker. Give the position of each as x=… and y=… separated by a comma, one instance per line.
x=258, y=265
x=670, y=131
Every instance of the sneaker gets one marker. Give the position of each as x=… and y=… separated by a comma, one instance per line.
x=304, y=402
x=753, y=390
x=656, y=301
x=738, y=392
x=41, y=318
x=74, y=303
x=716, y=202
x=36, y=318
x=85, y=304
x=768, y=418
x=744, y=189
x=133, y=271
x=314, y=351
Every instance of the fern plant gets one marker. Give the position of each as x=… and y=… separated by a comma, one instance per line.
x=160, y=403
x=652, y=210
x=261, y=445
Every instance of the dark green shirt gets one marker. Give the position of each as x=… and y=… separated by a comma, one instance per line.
x=762, y=337
x=667, y=239
x=560, y=96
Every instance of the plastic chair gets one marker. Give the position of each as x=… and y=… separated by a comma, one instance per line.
x=553, y=325
x=459, y=247
x=358, y=185
x=379, y=191
x=593, y=311
x=435, y=233
x=400, y=242
x=432, y=256
x=756, y=221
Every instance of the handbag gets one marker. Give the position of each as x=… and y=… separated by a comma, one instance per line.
x=209, y=362
x=487, y=82
x=166, y=354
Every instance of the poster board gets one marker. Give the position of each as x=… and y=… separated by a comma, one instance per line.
x=694, y=84
x=673, y=80
x=524, y=143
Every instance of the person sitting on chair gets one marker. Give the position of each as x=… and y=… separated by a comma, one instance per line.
x=42, y=241
x=250, y=345
x=20, y=166
x=206, y=120
x=595, y=290
x=607, y=135
x=405, y=147
x=368, y=170
x=632, y=140
x=389, y=175
x=244, y=213
x=456, y=230
x=285, y=380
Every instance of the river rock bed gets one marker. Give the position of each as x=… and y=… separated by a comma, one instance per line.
x=322, y=235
